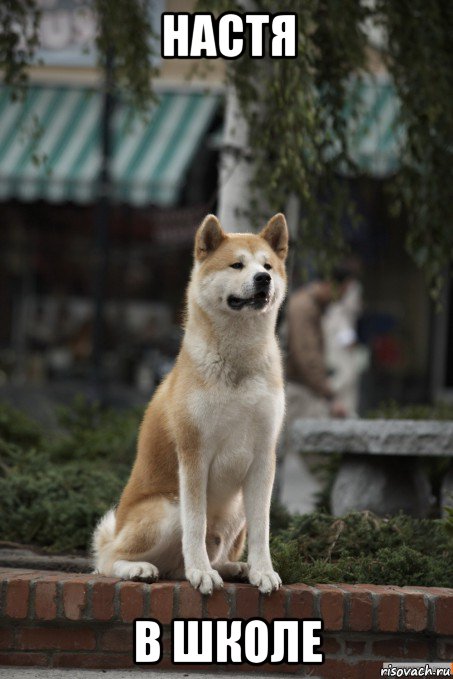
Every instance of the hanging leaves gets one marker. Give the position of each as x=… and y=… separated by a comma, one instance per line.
x=297, y=111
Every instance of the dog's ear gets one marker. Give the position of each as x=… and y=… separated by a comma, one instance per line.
x=208, y=238
x=276, y=234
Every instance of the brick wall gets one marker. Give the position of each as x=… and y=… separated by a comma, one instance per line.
x=51, y=619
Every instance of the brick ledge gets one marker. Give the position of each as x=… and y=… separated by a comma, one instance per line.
x=82, y=620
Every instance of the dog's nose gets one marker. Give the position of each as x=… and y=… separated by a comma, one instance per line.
x=262, y=279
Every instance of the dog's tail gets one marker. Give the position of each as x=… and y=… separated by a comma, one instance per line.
x=103, y=537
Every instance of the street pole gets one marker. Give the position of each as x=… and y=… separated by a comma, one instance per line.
x=101, y=229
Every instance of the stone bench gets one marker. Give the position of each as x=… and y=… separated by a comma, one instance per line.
x=380, y=470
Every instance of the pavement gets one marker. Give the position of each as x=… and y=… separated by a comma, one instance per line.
x=72, y=673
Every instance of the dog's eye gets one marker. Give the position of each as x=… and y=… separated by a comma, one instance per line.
x=268, y=267
x=237, y=265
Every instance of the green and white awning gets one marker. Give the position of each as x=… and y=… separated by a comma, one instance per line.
x=374, y=134
x=50, y=145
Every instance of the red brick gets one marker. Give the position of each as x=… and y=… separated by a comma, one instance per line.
x=53, y=576
x=104, y=599
x=390, y=648
x=6, y=637
x=66, y=639
x=96, y=661
x=444, y=650
x=302, y=600
x=360, y=611
x=85, y=578
x=118, y=639
x=6, y=573
x=369, y=669
x=24, y=659
x=273, y=605
x=434, y=591
x=218, y=604
x=17, y=597
x=353, y=647
x=132, y=603
x=189, y=601
x=444, y=615
x=415, y=612
x=330, y=645
x=74, y=599
x=331, y=606
x=402, y=648
x=388, y=612
x=417, y=650
x=161, y=605
x=247, y=601
x=46, y=600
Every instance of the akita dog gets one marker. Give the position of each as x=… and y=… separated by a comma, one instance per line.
x=205, y=462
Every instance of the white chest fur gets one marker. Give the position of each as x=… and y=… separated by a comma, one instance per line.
x=235, y=424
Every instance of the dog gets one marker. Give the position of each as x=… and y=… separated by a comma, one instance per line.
x=205, y=463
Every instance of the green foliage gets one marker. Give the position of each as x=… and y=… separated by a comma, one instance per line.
x=15, y=427
x=279, y=517
x=18, y=19
x=54, y=489
x=94, y=434
x=53, y=505
x=420, y=59
x=325, y=468
x=392, y=410
x=449, y=521
x=363, y=548
x=296, y=110
x=123, y=30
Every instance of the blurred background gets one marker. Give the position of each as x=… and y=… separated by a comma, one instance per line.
x=99, y=204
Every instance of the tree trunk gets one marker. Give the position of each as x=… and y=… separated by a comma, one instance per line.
x=236, y=168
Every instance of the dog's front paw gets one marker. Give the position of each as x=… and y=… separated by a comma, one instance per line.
x=234, y=570
x=135, y=570
x=266, y=580
x=204, y=580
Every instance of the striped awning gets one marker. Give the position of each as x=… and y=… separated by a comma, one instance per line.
x=50, y=145
x=374, y=134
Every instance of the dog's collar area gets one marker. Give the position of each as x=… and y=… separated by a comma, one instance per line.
x=257, y=301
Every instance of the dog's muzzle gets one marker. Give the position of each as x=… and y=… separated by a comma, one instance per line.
x=260, y=298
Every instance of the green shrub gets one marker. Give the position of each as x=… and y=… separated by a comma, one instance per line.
x=54, y=506
x=361, y=547
x=53, y=489
x=92, y=433
x=15, y=427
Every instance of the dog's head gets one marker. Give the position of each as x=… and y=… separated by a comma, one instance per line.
x=240, y=273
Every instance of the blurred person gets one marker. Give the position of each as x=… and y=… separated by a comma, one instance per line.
x=309, y=391
x=346, y=359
